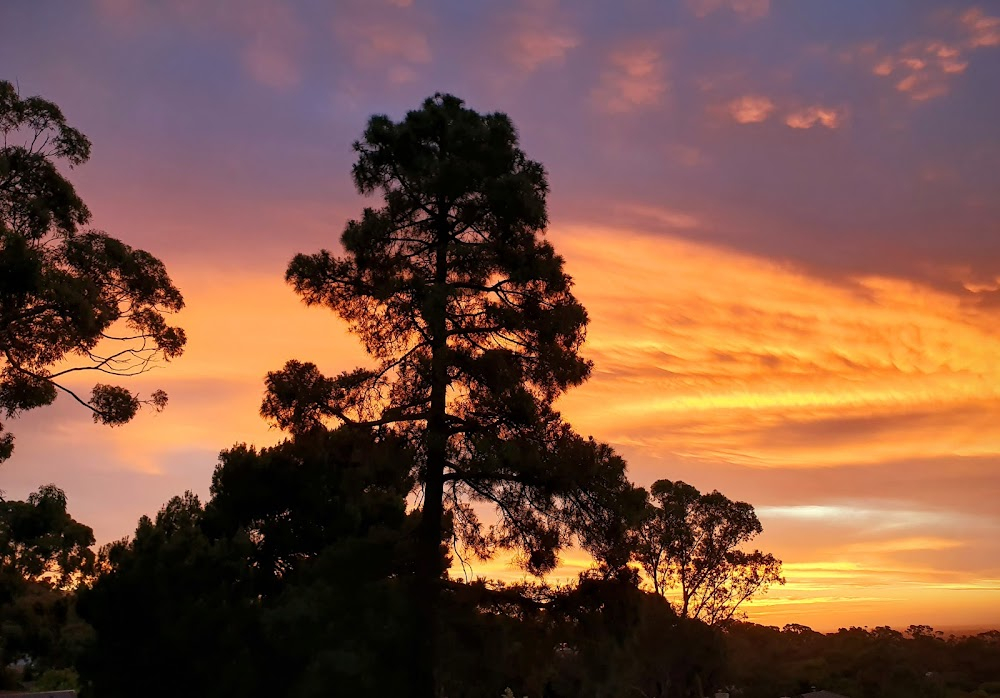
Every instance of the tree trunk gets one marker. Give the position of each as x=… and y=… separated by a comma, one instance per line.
x=428, y=584
x=685, y=597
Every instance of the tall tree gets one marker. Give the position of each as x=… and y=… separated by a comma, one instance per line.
x=471, y=319
x=691, y=541
x=68, y=294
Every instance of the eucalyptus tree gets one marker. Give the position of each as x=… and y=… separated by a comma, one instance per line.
x=691, y=542
x=71, y=300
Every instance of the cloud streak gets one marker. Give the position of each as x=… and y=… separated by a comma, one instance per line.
x=743, y=360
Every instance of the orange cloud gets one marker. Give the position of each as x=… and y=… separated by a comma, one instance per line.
x=983, y=29
x=751, y=109
x=636, y=77
x=808, y=117
x=859, y=583
x=755, y=109
x=828, y=594
x=904, y=544
x=732, y=358
x=923, y=69
x=534, y=47
x=875, y=564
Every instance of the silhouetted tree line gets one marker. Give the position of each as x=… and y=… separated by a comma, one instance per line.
x=296, y=578
x=320, y=566
x=246, y=596
x=765, y=661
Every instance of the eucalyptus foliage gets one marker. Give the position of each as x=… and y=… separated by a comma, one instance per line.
x=71, y=299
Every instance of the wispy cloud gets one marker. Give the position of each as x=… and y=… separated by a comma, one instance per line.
x=635, y=77
x=874, y=519
x=906, y=544
x=269, y=33
x=751, y=109
x=828, y=117
x=671, y=218
x=540, y=34
x=274, y=36
x=983, y=30
x=747, y=9
x=756, y=109
x=924, y=70
x=388, y=41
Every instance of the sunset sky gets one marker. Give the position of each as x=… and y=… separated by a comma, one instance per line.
x=783, y=217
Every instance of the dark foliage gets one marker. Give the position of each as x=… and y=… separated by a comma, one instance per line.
x=472, y=320
x=44, y=555
x=691, y=541
x=281, y=584
x=766, y=661
x=75, y=299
